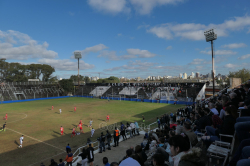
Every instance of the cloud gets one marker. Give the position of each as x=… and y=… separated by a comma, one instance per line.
x=17, y=45
x=131, y=53
x=119, y=34
x=143, y=26
x=71, y=13
x=229, y=65
x=244, y=57
x=65, y=64
x=146, y=6
x=169, y=48
x=194, y=31
x=95, y=48
x=219, y=52
x=109, y=6
x=196, y=62
x=234, y=45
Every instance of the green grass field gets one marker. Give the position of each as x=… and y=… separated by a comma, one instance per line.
x=41, y=126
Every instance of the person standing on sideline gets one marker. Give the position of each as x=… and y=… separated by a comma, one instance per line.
x=68, y=148
x=102, y=143
x=92, y=132
x=75, y=109
x=61, y=129
x=4, y=126
x=21, y=142
x=52, y=107
x=116, y=137
x=90, y=153
x=60, y=110
x=69, y=158
x=123, y=132
x=137, y=128
x=108, y=136
x=132, y=125
x=143, y=119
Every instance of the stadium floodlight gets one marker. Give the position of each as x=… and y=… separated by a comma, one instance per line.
x=211, y=36
x=78, y=55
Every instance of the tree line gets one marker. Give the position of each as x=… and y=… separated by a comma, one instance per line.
x=16, y=72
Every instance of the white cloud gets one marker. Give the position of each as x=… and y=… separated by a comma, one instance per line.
x=195, y=31
x=109, y=6
x=132, y=53
x=196, y=62
x=17, y=45
x=229, y=65
x=234, y=45
x=119, y=34
x=169, y=48
x=146, y=6
x=244, y=57
x=95, y=48
x=65, y=64
x=219, y=52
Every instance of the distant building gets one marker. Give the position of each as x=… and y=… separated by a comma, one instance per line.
x=184, y=75
x=180, y=75
x=192, y=75
x=197, y=74
x=94, y=78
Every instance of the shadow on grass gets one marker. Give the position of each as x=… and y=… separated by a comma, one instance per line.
x=57, y=112
x=101, y=120
x=16, y=143
x=57, y=132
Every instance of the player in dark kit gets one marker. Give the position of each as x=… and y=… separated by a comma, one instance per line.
x=4, y=126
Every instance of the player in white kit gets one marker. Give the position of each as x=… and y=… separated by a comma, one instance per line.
x=21, y=142
x=60, y=111
x=92, y=132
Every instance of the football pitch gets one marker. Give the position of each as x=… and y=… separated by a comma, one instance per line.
x=40, y=125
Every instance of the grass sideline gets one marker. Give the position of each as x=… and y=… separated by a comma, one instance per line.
x=41, y=126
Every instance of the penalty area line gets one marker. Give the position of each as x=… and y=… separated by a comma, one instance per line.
x=35, y=139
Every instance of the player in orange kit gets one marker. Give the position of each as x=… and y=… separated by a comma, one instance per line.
x=52, y=108
x=75, y=109
x=73, y=132
x=61, y=130
x=80, y=126
x=6, y=117
x=107, y=118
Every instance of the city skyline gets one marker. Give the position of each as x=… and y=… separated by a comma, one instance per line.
x=126, y=38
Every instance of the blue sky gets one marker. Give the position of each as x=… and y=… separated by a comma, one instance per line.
x=126, y=38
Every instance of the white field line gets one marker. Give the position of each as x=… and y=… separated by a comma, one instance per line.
x=35, y=139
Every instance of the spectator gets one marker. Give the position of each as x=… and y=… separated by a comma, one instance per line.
x=105, y=161
x=108, y=136
x=159, y=123
x=191, y=135
x=132, y=125
x=141, y=154
x=234, y=100
x=209, y=114
x=90, y=154
x=224, y=103
x=69, y=158
x=226, y=128
x=129, y=129
x=68, y=148
x=179, y=128
x=84, y=157
x=213, y=109
x=101, y=139
x=192, y=158
x=53, y=163
x=116, y=137
x=158, y=159
x=137, y=128
x=179, y=146
x=203, y=122
x=61, y=163
x=129, y=161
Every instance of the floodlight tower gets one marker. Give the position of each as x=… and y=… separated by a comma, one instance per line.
x=211, y=36
x=78, y=55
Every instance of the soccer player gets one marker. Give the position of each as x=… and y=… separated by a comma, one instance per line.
x=4, y=126
x=61, y=130
x=21, y=142
x=90, y=123
x=52, y=108
x=80, y=126
x=92, y=132
x=6, y=117
x=81, y=121
x=73, y=132
x=143, y=119
x=75, y=109
x=60, y=110
x=107, y=118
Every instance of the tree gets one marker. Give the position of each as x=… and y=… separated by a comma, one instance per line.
x=67, y=85
x=113, y=79
x=244, y=74
x=86, y=79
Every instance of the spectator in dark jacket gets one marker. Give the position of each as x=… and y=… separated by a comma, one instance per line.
x=61, y=163
x=203, y=122
x=53, y=163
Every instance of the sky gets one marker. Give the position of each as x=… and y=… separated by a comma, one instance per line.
x=126, y=38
